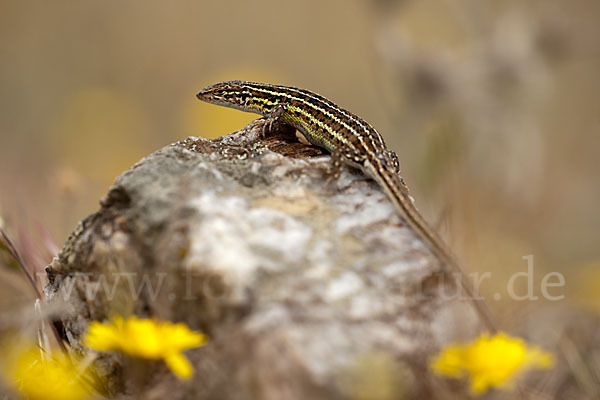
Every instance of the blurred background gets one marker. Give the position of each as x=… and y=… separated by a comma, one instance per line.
x=493, y=108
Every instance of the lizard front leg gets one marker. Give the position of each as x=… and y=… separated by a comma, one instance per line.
x=273, y=118
x=336, y=166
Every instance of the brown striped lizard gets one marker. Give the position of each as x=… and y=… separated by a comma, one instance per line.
x=350, y=140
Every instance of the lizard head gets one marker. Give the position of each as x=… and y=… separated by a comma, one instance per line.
x=231, y=94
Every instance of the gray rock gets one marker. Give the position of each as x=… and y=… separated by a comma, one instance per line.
x=305, y=292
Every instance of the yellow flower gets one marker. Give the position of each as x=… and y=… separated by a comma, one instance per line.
x=490, y=361
x=54, y=377
x=146, y=338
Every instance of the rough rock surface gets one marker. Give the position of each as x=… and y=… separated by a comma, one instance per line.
x=305, y=292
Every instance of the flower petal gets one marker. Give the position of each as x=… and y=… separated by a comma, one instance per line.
x=179, y=365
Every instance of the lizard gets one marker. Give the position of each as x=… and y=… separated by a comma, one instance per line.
x=350, y=140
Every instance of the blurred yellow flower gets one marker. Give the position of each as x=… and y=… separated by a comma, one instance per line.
x=146, y=338
x=54, y=377
x=490, y=361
